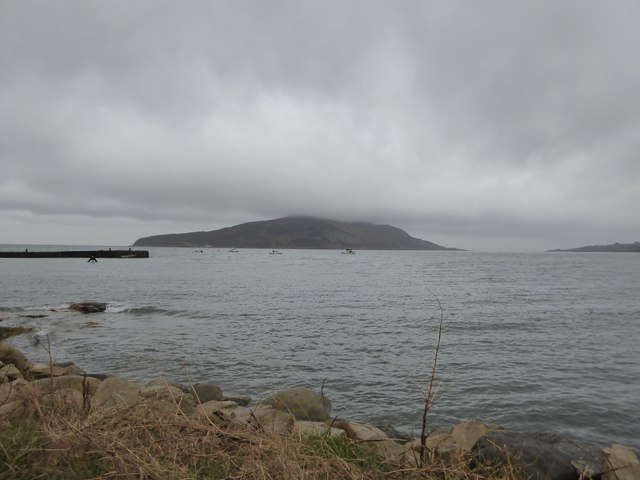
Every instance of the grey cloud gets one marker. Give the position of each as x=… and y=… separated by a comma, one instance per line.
x=494, y=118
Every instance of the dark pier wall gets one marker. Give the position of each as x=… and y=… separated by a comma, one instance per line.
x=78, y=254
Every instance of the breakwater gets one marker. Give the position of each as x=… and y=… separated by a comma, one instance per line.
x=77, y=254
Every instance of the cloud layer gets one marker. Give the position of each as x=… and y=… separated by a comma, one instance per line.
x=484, y=125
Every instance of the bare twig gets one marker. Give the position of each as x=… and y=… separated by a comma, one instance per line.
x=430, y=394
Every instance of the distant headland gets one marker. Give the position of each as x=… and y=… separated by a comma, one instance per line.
x=613, y=247
x=297, y=232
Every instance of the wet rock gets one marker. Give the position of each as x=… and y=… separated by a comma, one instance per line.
x=534, y=456
x=88, y=307
x=302, y=403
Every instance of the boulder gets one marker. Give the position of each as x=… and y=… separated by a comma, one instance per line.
x=392, y=433
x=9, y=373
x=535, y=456
x=466, y=434
x=620, y=463
x=162, y=391
x=302, y=403
x=117, y=392
x=374, y=440
x=43, y=370
x=88, y=307
x=163, y=382
x=168, y=397
x=361, y=432
x=65, y=398
x=439, y=443
x=214, y=410
x=239, y=399
x=12, y=409
x=77, y=382
x=12, y=391
x=263, y=418
x=10, y=354
x=319, y=429
x=205, y=392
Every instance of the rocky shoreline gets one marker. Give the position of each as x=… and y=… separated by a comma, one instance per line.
x=300, y=412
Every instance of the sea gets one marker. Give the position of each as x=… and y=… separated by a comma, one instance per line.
x=528, y=341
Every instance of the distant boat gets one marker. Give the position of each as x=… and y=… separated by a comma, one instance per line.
x=348, y=251
x=275, y=252
x=234, y=250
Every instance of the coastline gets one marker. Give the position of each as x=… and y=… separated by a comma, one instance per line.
x=294, y=413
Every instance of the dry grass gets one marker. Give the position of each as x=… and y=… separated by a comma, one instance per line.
x=55, y=439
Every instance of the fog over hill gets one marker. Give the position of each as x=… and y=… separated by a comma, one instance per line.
x=297, y=232
x=613, y=247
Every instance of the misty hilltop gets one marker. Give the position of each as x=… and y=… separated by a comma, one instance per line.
x=613, y=247
x=297, y=232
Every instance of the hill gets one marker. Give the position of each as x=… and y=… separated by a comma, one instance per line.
x=297, y=232
x=614, y=247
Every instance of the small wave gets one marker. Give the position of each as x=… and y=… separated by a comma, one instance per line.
x=117, y=308
x=146, y=310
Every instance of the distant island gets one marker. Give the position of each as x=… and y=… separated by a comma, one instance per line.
x=614, y=247
x=297, y=232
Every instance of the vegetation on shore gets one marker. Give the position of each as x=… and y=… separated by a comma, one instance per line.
x=49, y=430
x=54, y=438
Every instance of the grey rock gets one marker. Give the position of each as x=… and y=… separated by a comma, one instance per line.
x=206, y=392
x=302, y=403
x=77, y=382
x=239, y=399
x=10, y=354
x=117, y=392
x=620, y=463
x=535, y=456
x=9, y=373
x=88, y=307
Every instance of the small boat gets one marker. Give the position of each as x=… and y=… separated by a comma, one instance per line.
x=275, y=252
x=348, y=251
x=234, y=250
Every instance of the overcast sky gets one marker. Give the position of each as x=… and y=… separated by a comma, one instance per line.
x=486, y=125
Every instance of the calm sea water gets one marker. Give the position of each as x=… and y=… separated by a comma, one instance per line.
x=546, y=341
